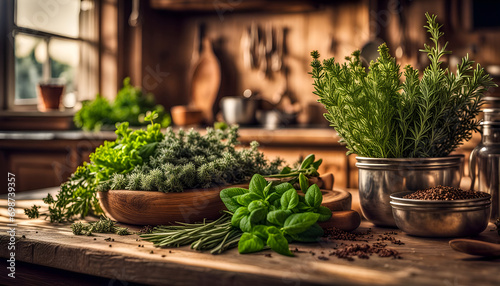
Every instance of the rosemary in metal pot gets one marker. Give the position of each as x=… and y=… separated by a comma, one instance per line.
x=378, y=115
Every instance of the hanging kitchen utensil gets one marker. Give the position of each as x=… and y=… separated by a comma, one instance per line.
x=246, y=48
x=205, y=80
x=277, y=55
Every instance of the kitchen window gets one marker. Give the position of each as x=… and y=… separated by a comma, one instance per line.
x=47, y=40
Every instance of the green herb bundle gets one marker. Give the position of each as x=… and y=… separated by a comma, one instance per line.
x=77, y=196
x=186, y=160
x=153, y=161
x=275, y=215
x=378, y=115
x=130, y=105
x=265, y=215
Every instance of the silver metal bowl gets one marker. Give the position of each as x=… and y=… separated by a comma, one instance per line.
x=440, y=218
x=379, y=178
x=238, y=110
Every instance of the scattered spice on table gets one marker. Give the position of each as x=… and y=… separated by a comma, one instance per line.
x=146, y=230
x=445, y=193
x=365, y=250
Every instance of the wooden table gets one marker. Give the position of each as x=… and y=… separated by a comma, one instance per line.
x=46, y=253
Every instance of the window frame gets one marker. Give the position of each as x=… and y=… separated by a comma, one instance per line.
x=88, y=69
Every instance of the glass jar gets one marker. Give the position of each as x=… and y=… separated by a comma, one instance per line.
x=486, y=157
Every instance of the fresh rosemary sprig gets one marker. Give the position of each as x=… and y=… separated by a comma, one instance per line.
x=216, y=236
x=378, y=115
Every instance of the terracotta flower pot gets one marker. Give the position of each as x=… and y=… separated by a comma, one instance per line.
x=50, y=95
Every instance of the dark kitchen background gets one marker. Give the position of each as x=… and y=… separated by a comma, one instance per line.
x=262, y=48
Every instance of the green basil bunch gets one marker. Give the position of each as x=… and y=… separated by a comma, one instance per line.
x=275, y=215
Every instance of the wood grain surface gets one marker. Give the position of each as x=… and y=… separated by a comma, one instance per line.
x=124, y=259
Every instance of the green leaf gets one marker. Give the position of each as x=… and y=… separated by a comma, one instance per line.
x=286, y=170
x=307, y=161
x=303, y=207
x=313, y=196
x=257, y=185
x=278, y=242
x=147, y=150
x=289, y=200
x=282, y=188
x=297, y=223
x=273, y=197
x=227, y=197
x=317, y=164
x=238, y=215
x=312, y=234
x=245, y=224
x=260, y=231
x=250, y=243
x=303, y=182
x=324, y=213
x=257, y=204
x=278, y=217
x=267, y=189
x=247, y=198
x=258, y=216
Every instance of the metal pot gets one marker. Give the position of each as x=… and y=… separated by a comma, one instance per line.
x=238, y=110
x=381, y=177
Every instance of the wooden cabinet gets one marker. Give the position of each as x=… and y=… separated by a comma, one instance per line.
x=42, y=163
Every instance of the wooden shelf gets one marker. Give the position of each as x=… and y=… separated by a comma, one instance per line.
x=243, y=5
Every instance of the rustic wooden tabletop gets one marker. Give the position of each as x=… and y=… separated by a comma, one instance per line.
x=126, y=259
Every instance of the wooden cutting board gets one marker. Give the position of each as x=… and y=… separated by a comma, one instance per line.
x=205, y=81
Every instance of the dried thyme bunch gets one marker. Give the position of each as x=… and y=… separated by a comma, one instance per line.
x=103, y=225
x=191, y=160
x=378, y=115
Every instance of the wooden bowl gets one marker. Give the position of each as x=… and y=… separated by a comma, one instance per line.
x=154, y=208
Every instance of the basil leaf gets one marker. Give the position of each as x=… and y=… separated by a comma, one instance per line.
x=245, y=224
x=312, y=234
x=297, y=223
x=278, y=217
x=250, y=243
x=303, y=182
x=260, y=231
x=317, y=164
x=324, y=213
x=147, y=150
x=257, y=204
x=238, y=216
x=314, y=197
x=289, y=200
x=272, y=197
x=307, y=161
x=267, y=189
x=257, y=185
x=282, y=188
x=258, y=215
x=278, y=242
x=227, y=195
x=247, y=198
x=302, y=207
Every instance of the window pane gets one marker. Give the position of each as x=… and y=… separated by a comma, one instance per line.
x=64, y=60
x=30, y=53
x=59, y=17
